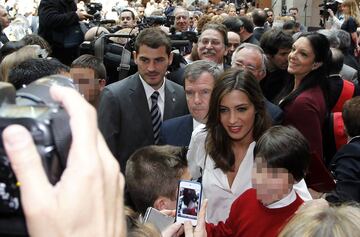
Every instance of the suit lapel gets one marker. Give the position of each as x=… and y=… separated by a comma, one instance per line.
x=170, y=100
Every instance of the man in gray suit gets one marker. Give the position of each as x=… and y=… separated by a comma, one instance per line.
x=124, y=110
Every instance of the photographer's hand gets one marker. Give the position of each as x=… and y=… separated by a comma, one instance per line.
x=83, y=15
x=88, y=200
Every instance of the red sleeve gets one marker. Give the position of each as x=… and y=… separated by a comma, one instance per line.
x=219, y=230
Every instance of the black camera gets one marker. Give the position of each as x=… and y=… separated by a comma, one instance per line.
x=328, y=4
x=94, y=8
x=48, y=123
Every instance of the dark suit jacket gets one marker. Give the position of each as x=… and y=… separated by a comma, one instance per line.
x=346, y=169
x=177, y=131
x=275, y=112
x=124, y=116
x=258, y=32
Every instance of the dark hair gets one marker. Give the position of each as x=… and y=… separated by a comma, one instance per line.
x=33, y=69
x=351, y=116
x=321, y=48
x=275, y=39
x=154, y=171
x=233, y=23
x=345, y=40
x=34, y=39
x=219, y=28
x=153, y=37
x=92, y=62
x=218, y=143
x=284, y=147
x=128, y=10
x=247, y=23
x=293, y=8
x=259, y=17
x=336, y=62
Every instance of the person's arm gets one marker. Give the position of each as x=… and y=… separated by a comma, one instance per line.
x=88, y=199
x=333, y=19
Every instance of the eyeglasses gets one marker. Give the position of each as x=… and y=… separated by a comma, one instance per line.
x=251, y=68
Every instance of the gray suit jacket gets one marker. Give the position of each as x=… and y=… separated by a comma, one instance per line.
x=349, y=73
x=124, y=116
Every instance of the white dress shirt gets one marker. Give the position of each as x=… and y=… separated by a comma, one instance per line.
x=215, y=183
x=161, y=99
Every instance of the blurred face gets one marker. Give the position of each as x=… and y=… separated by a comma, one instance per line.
x=234, y=42
x=345, y=9
x=141, y=11
x=198, y=93
x=251, y=60
x=152, y=64
x=4, y=18
x=301, y=58
x=294, y=13
x=237, y=116
x=126, y=20
x=271, y=184
x=242, y=12
x=88, y=85
x=270, y=17
x=181, y=21
x=232, y=12
x=211, y=46
x=280, y=59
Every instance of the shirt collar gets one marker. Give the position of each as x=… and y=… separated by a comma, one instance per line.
x=149, y=90
x=287, y=200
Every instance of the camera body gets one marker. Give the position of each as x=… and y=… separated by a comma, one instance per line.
x=328, y=4
x=48, y=124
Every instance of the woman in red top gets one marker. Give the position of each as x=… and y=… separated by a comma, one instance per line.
x=305, y=101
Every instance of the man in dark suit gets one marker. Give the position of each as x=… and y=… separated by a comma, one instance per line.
x=124, y=109
x=252, y=58
x=259, y=17
x=200, y=77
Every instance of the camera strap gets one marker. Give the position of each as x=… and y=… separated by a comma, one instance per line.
x=124, y=65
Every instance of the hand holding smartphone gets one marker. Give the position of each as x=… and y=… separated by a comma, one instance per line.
x=188, y=201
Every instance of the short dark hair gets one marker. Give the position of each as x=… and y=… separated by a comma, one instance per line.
x=153, y=37
x=284, y=147
x=218, y=142
x=351, y=116
x=128, y=10
x=336, y=62
x=32, y=39
x=154, y=171
x=92, y=62
x=33, y=69
x=233, y=23
x=219, y=28
x=275, y=39
x=259, y=17
x=247, y=24
x=293, y=8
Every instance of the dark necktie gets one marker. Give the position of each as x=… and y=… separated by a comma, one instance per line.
x=155, y=116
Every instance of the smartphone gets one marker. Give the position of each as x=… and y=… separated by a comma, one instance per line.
x=188, y=201
x=158, y=219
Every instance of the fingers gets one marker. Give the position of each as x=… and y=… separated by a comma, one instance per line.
x=171, y=230
x=83, y=123
x=27, y=166
x=189, y=229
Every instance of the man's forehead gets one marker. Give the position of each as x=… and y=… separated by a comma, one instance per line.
x=249, y=54
x=211, y=34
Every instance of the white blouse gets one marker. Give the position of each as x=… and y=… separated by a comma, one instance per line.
x=215, y=183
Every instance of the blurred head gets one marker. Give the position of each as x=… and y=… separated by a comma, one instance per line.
x=141, y=11
x=181, y=19
x=212, y=43
x=350, y=8
x=270, y=16
x=4, y=18
x=282, y=157
x=250, y=57
x=294, y=11
x=34, y=39
x=350, y=114
x=89, y=74
x=153, y=55
x=232, y=11
x=234, y=42
x=152, y=175
x=127, y=19
x=259, y=17
x=200, y=77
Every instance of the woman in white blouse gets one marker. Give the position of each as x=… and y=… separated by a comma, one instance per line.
x=222, y=152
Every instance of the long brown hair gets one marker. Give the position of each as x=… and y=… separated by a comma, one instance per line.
x=218, y=143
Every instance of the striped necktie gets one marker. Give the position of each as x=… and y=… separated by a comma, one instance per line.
x=155, y=116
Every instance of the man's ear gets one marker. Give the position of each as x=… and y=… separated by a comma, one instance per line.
x=162, y=203
x=171, y=57
x=134, y=54
x=102, y=84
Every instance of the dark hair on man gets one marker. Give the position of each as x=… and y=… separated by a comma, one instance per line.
x=293, y=8
x=219, y=28
x=193, y=70
x=153, y=172
x=128, y=10
x=259, y=17
x=34, y=39
x=290, y=25
x=284, y=147
x=153, y=37
x=92, y=62
x=218, y=143
x=33, y=69
x=247, y=23
x=275, y=39
x=336, y=62
x=233, y=23
x=351, y=116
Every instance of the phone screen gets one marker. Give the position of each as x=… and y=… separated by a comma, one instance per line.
x=188, y=201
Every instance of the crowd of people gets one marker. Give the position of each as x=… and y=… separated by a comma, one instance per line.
x=262, y=112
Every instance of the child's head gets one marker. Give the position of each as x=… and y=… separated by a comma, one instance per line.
x=350, y=114
x=282, y=156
